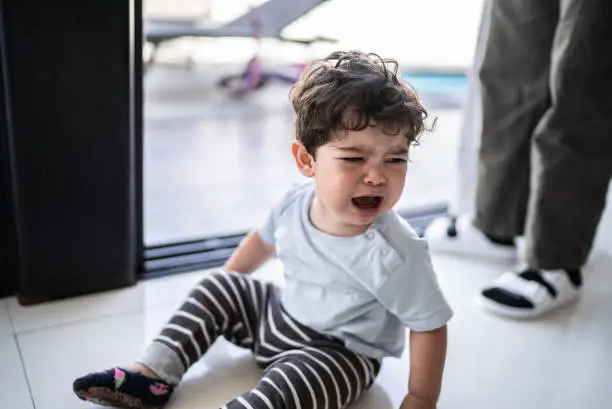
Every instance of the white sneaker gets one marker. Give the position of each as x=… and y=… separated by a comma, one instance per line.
x=460, y=237
x=529, y=293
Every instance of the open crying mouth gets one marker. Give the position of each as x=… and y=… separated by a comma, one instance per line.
x=367, y=202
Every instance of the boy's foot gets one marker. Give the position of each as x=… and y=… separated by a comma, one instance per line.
x=460, y=237
x=531, y=292
x=124, y=389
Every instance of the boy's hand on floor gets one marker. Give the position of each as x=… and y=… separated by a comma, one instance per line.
x=413, y=402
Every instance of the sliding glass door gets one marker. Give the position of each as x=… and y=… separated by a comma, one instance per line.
x=216, y=161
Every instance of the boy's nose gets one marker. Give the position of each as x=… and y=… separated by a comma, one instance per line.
x=375, y=177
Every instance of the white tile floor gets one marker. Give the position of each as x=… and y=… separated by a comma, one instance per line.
x=563, y=361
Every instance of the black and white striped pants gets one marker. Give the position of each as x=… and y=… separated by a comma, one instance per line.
x=303, y=368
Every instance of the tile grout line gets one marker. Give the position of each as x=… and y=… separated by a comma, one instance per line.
x=84, y=320
x=134, y=310
x=25, y=372
x=23, y=366
x=138, y=309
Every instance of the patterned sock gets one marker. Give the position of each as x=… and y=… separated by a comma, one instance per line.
x=124, y=389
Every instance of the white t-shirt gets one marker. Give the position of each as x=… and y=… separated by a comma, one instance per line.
x=365, y=289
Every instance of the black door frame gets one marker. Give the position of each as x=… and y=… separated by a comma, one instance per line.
x=70, y=147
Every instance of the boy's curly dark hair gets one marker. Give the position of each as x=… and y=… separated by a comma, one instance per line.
x=351, y=90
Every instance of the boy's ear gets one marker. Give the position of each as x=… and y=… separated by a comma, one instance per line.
x=303, y=159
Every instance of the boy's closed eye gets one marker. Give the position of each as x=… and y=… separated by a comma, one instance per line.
x=394, y=161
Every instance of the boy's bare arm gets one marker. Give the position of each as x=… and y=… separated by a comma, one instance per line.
x=427, y=356
x=251, y=253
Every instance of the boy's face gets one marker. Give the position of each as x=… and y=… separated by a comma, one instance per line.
x=359, y=175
